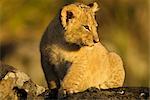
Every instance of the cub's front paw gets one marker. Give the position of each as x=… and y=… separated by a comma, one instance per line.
x=64, y=92
x=69, y=89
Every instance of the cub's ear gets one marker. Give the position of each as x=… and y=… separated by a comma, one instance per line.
x=68, y=14
x=94, y=6
x=66, y=17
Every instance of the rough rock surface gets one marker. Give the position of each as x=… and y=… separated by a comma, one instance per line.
x=15, y=84
x=122, y=93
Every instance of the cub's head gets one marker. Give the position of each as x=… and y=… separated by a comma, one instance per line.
x=79, y=23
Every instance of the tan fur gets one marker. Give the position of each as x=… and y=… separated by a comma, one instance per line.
x=71, y=58
x=94, y=67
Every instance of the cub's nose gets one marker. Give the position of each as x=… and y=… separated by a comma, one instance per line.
x=95, y=41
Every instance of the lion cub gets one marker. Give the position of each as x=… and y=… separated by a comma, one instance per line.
x=72, y=57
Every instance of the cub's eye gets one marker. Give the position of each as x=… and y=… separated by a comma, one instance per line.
x=87, y=27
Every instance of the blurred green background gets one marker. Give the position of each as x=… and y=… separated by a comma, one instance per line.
x=123, y=28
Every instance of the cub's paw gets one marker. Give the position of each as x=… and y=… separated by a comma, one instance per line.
x=69, y=89
x=70, y=85
x=64, y=92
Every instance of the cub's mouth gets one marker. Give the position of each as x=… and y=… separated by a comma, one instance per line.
x=81, y=43
x=88, y=43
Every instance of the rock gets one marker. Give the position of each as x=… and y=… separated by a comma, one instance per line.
x=122, y=93
x=15, y=84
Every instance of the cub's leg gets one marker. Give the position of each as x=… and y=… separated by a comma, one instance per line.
x=117, y=75
x=75, y=79
x=50, y=75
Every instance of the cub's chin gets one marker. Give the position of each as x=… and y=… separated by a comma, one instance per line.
x=81, y=43
x=88, y=43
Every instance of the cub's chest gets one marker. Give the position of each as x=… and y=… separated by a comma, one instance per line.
x=59, y=54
